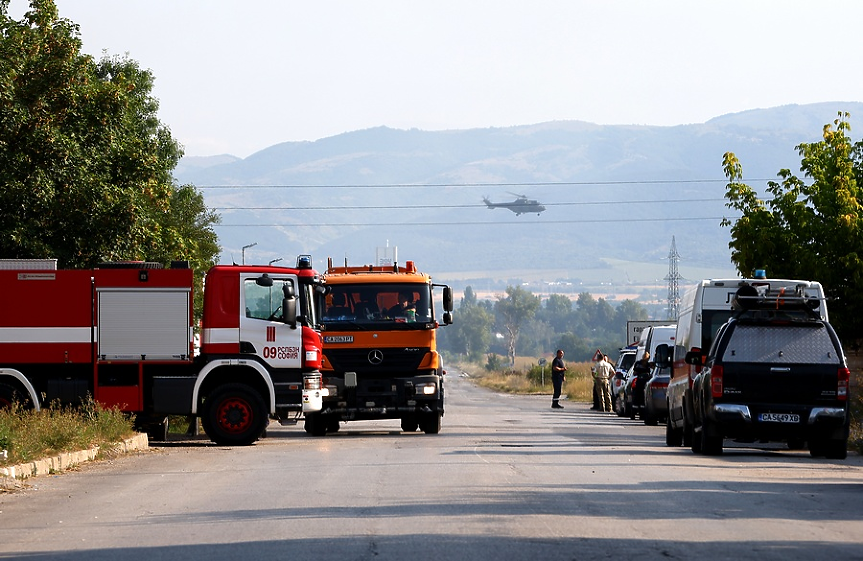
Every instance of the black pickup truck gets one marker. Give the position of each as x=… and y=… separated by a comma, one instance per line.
x=772, y=377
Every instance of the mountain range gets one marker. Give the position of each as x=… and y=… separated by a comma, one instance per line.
x=615, y=197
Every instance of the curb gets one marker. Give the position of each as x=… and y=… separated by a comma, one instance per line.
x=65, y=460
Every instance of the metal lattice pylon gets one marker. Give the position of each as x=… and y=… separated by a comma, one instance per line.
x=673, y=280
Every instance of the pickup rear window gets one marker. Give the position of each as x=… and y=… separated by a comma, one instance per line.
x=792, y=344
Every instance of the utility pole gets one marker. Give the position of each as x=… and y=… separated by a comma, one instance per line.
x=673, y=279
x=245, y=247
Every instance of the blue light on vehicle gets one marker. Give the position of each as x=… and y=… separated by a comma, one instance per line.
x=760, y=274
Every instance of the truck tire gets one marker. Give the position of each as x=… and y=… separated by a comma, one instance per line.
x=155, y=427
x=673, y=436
x=835, y=449
x=410, y=424
x=235, y=415
x=315, y=424
x=649, y=417
x=430, y=423
x=8, y=396
x=710, y=445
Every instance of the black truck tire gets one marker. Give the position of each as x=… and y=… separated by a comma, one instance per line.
x=315, y=424
x=234, y=415
x=410, y=424
x=430, y=423
x=673, y=436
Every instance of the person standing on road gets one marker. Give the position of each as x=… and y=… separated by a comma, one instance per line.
x=558, y=377
x=601, y=378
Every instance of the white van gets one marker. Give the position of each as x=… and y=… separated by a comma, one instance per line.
x=703, y=309
x=634, y=391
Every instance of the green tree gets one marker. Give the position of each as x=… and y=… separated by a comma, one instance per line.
x=518, y=306
x=86, y=165
x=808, y=230
x=474, y=331
x=469, y=298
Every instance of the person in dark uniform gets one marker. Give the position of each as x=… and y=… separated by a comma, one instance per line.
x=558, y=377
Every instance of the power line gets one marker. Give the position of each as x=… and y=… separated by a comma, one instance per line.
x=475, y=205
x=471, y=223
x=525, y=184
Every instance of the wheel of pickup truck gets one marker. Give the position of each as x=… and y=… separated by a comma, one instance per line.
x=710, y=445
x=831, y=449
x=687, y=431
x=234, y=415
x=673, y=436
x=410, y=424
x=430, y=423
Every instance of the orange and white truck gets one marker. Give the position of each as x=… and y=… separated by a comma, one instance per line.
x=123, y=333
x=380, y=351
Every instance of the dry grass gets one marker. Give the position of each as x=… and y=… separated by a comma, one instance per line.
x=29, y=435
x=855, y=439
x=578, y=385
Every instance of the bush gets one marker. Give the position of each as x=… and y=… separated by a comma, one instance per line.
x=29, y=435
x=494, y=362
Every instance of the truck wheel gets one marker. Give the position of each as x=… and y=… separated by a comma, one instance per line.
x=710, y=445
x=673, y=436
x=836, y=449
x=7, y=396
x=695, y=440
x=333, y=424
x=315, y=425
x=156, y=428
x=430, y=423
x=409, y=424
x=687, y=431
x=234, y=415
x=649, y=418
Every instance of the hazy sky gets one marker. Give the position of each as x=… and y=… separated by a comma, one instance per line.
x=239, y=76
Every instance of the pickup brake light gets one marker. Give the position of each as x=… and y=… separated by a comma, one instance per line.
x=844, y=375
x=716, y=381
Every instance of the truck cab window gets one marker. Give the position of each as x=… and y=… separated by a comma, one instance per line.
x=264, y=302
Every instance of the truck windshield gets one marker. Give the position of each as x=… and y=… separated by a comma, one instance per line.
x=400, y=305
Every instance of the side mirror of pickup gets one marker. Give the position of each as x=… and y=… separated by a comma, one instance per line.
x=693, y=357
x=663, y=355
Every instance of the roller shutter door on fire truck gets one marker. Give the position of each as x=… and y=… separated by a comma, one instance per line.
x=143, y=324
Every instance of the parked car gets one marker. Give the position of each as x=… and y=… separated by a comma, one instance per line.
x=619, y=404
x=624, y=362
x=772, y=375
x=655, y=401
x=703, y=308
x=635, y=385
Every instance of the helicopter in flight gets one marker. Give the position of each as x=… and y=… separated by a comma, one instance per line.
x=521, y=205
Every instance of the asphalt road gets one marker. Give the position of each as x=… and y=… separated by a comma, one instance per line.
x=507, y=478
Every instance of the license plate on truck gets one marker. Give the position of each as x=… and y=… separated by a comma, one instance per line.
x=779, y=418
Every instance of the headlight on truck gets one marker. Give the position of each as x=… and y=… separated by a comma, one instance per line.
x=426, y=389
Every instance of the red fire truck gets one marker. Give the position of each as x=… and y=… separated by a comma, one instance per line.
x=123, y=333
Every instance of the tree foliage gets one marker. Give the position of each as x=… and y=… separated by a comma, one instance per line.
x=86, y=165
x=811, y=227
x=517, y=307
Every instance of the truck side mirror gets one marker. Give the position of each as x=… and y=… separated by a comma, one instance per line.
x=447, y=318
x=693, y=357
x=289, y=311
x=663, y=356
x=447, y=301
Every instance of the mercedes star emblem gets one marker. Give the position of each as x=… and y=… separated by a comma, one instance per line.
x=376, y=357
